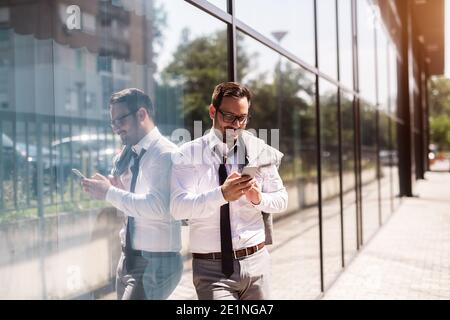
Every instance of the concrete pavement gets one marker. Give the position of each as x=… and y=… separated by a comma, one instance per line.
x=409, y=258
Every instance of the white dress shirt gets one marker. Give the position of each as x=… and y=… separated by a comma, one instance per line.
x=196, y=194
x=155, y=230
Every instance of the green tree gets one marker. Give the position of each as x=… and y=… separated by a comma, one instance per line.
x=440, y=113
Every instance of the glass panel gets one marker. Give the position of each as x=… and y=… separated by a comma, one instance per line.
x=331, y=215
x=392, y=58
x=345, y=42
x=290, y=24
x=370, y=210
x=348, y=176
x=383, y=70
x=385, y=154
x=366, y=50
x=327, y=43
x=61, y=122
x=284, y=98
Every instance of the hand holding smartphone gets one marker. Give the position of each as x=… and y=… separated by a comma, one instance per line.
x=249, y=171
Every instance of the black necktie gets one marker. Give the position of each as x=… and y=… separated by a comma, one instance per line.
x=226, y=244
x=130, y=220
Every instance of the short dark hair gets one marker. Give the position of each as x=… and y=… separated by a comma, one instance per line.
x=229, y=89
x=134, y=99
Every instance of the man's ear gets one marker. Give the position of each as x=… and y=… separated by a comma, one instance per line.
x=141, y=113
x=212, y=111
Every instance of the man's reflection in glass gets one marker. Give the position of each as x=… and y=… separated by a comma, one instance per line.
x=150, y=266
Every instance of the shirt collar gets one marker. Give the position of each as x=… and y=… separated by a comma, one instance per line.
x=215, y=143
x=147, y=141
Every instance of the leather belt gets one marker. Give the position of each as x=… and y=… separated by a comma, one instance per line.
x=237, y=254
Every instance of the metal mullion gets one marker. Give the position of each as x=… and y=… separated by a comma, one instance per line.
x=61, y=165
x=355, y=168
x=339, y=123
x=14, y=163
x=71, y=159
x=50, y=154
x=106, y=147
x=232, y=42
x=358, y=139
x=391, y=162
x=97, y=132
x=356, y=123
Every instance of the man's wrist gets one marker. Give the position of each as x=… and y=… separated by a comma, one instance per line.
x=223, y=193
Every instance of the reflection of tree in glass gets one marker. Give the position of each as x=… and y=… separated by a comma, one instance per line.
x=329, y=132
x=291, y=88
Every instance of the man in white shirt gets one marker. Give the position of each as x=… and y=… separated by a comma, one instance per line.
x=150, y=266
x=224, y=208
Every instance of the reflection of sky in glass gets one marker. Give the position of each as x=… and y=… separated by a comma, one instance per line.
x=326, y=17
x=261, y=62
x=295, y=17
x=383, y=80
x=345, y=43
x=366, y=51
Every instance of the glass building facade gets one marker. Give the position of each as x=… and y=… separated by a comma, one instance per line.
x=326, y=73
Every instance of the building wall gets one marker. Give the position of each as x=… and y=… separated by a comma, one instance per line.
x=324, y=73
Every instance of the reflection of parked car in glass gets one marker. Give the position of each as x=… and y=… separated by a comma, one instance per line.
x=90, y=152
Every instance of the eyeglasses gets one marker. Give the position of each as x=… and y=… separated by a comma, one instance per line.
x=120, y=120
x=231, y=118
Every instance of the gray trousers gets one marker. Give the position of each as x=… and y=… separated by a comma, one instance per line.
x=249, y=281
x=154, y=276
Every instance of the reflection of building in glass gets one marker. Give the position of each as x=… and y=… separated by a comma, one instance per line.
x=79, y=68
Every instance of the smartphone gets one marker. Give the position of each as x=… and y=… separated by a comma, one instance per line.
x=249, y=171
x=78, y=173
